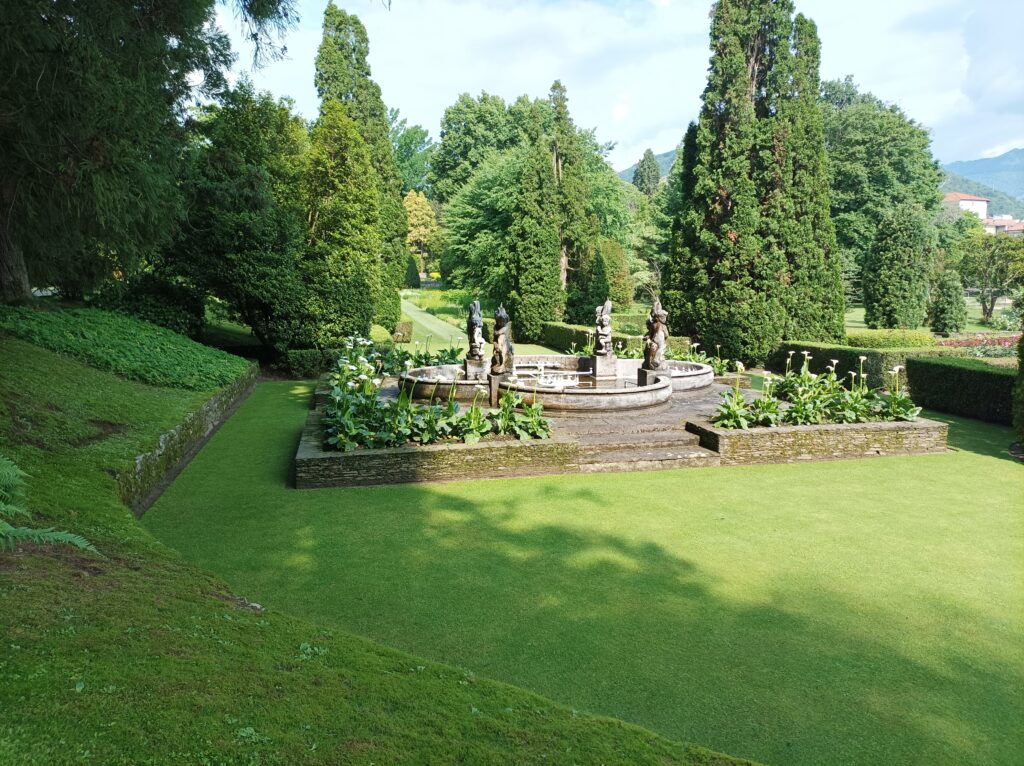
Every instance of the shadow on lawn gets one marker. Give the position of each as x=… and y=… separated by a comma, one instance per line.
x=968, y=435
x=626, y=628
x=616, y=623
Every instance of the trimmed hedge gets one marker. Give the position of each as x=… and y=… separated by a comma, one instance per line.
x=1018, y=394
x=889, y=338
x=130, y=348
x=310, y=362
x=879, y=360
x=561, y=337
x=965, y=387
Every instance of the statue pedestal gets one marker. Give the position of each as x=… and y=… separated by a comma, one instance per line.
x=604, y=367
x=476, y=369
x=650, y=377
x=494, y=393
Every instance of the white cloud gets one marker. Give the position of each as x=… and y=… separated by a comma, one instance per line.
x=635, y=71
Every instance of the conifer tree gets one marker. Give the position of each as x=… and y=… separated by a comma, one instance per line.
x=647, y=174
x=342, y=266
x=751, y=247
x=343, y=73
x=896, y=269
x=577, y=229
x=422, y=225
x=536, y=293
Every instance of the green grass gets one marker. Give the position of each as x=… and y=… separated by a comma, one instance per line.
x=855, y=317
x=140, y=658
x=854, y=612
x=127, y=347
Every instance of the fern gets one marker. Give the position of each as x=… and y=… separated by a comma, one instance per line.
x=10, y=535
x=12, y=495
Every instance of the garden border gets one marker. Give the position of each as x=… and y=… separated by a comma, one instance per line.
x=794, y=444
x=141, y=485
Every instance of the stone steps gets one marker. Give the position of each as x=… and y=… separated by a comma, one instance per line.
x=648, y=459
x=598, y=443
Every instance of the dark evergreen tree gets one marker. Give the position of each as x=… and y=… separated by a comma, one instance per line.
x=342, y=267
x=947, y=312
x=244, y=237
x=896, y=269
x=797, y=218
x=577, y=228
x=93, y=95
x=751, y=248
x=343, y=73
x=647, y=174
x=533, y=266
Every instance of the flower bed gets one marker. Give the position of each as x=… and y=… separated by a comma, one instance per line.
x=806, y=398
x=355, y=416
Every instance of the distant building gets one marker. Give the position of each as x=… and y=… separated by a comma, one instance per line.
x=968, y=202
x=999, y=224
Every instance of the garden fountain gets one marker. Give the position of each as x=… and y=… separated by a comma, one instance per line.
x=563, y=382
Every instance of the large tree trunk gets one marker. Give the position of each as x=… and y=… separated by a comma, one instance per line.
x=14, y=287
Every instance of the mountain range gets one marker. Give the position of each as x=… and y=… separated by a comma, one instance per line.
x=1001, y=179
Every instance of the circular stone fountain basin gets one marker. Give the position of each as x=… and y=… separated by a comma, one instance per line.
x=563, y=383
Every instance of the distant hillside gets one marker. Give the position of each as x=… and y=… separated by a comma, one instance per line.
x=1000, y=203
x=664, y=164
x=1005, y=172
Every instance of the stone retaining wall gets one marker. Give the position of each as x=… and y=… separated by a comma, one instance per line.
x=141, y=485
x=792, y=444
x=316, y=467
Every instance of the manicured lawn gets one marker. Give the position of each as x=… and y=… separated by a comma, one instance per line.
x=856, y=612
x=137, y=657
x=434, y=331
x=855, y=316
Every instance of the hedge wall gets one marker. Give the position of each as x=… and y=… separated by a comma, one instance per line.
x=310, y=362
x=559, y=336
x=965, y=387
x=889, y=338
x=879, y=360
x=1018, y=396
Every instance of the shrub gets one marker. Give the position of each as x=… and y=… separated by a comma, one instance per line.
x=127, y=347
x=412, y=271
x=877, y=361
x=403, y=332
x=155, y=299
x=965, y=387
x=309, y=362
x=947, y=312
x=889, y=338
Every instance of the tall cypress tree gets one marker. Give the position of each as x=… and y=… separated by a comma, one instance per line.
x=343, y=74
x=533, y=243
x=342, y=265
x=796, y=217
x=577, y=229
x=752, y=249
x=896, y=269
x=647, y=174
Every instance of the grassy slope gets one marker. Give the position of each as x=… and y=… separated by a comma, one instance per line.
x=849, y=612
x=140, y=658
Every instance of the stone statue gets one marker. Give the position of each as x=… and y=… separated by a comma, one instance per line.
x=475, y=333
x=656, y=339
x=503, y=359
x=603, y=330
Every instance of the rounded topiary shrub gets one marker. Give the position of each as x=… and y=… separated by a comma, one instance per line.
x=947, y=312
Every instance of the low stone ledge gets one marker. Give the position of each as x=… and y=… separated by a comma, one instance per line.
x=141, y=485
x=793, y=444
x=316, y=467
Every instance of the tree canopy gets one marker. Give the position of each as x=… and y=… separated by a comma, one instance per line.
x=647, y=174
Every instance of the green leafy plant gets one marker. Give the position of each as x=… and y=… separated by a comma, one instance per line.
x=733, y=411
x=896, y=404
x=12, y=498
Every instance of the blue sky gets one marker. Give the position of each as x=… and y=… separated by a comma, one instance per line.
x=635, y=69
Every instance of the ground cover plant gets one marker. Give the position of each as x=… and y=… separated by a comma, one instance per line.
x=802, y=398
x=839, y=612
x=138, y=657
x=356, y=415
x=125, y=346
